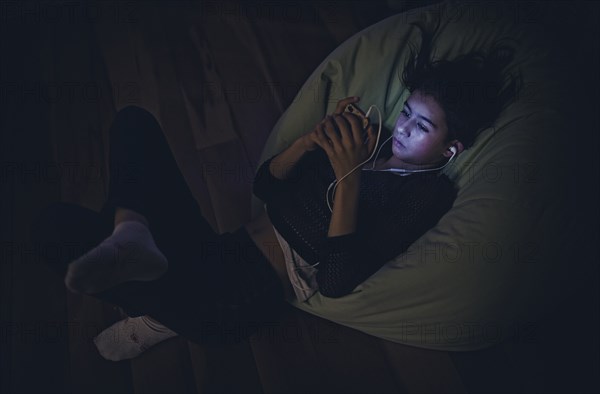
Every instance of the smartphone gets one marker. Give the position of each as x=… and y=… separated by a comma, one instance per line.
x=353, y=109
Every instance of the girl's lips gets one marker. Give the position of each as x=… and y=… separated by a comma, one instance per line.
x=398, y=143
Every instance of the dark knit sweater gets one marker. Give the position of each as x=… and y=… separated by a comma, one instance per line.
x=393, y=212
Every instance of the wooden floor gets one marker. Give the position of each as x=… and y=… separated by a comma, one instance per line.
x=65, y=79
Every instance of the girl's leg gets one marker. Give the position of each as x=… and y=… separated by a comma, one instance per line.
x=214, y=282
x=144, y=178
x=207, y=272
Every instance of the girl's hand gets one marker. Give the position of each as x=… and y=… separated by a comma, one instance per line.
x=308, y=141
x=341, y=105
x=342, y=138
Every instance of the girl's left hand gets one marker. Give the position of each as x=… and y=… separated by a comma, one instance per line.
x=342, y=137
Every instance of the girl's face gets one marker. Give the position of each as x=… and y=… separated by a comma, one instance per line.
x=419, y=138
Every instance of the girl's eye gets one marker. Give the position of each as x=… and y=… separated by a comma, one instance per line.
x=422, y=127
x=405, y=113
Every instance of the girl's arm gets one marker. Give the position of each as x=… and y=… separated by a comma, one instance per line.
x=345, y=206
x=282, y=165
x=274, y=174
x=277, y=173
x=341, y=136
x=348, y=260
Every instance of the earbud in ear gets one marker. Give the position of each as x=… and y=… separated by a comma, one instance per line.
x=453, y=149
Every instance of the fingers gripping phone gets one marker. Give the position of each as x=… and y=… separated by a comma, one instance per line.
x=353, y=109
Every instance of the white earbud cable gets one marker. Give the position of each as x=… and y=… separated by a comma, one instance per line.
x=394, y=170
x=335, y=182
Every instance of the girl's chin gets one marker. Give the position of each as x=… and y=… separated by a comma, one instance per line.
x=398, y=152
x=397, y=160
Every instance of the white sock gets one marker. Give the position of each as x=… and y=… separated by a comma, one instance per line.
x=128, y=254
x=130, y=337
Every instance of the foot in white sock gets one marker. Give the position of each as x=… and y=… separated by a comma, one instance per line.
x=128, y=254
x=131, y=337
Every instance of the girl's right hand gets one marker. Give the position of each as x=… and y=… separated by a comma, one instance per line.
x=309, y=141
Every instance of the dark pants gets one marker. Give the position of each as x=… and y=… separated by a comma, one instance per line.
x=218, y=288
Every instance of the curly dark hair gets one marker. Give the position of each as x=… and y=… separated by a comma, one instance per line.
x=472, y=89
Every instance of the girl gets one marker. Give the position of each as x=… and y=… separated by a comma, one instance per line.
x=151, y=251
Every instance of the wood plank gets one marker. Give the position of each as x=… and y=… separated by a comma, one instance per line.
x=164, y=368
x=209, y=113
x=518, y=364
x=225, y=369
x=199, y=362
x=89, y=372
x=285, y=357
x=352, y=359
x=33, y=344
x=33, y=321
x=419, y=370
x=79, y=126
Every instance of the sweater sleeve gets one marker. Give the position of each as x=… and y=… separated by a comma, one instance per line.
x=348, y=260
x=266, y=186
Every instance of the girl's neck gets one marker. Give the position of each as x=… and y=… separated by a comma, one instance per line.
x=394, y=162
x=381, y=164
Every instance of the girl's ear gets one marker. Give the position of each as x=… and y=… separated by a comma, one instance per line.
x=457, y=145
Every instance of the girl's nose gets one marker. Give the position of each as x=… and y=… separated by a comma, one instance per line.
x=406, y=127
x=403, y=130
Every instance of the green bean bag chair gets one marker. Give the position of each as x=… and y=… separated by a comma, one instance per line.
x=489, y=266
